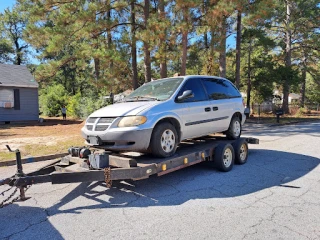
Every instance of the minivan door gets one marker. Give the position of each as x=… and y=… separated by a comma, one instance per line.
x=197, y=115
x=222, y=104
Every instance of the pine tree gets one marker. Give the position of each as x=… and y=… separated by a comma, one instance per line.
x=291, y=19
x=12, y=23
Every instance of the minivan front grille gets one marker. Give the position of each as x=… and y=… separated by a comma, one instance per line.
x=92, y=120
x=106, y=120
x=99, y=124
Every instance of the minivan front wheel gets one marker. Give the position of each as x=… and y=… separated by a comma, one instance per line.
x=234, y=130
x=164, y=140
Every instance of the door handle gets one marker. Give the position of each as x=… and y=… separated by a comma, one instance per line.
x=215, y=108
x=207, y=109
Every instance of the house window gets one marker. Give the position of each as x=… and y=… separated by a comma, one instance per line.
x=16, y=97
x=7, y=98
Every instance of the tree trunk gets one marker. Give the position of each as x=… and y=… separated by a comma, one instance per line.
x=238, y=49
x=18, y=60
x=286, y=87
x=205, y=35
x=134, y=47
x=109, y=36
x=303, y=84
x=97, y=69
x=184, y=43
x=211, y=57
x=162, y=47
x=205, y=39
x=222, y=49
x=147, y=61
x=249, y=77
x=184, y=52
x=109, y=43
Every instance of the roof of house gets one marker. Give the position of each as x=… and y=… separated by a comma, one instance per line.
x=16, y=76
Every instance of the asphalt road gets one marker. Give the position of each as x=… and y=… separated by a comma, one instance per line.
x=275, y=195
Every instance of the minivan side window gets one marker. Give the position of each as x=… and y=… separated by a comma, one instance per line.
x=232, y=91
x=216, y=88
x=195, y=85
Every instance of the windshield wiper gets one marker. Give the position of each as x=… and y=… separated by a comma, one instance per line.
x=141, y=98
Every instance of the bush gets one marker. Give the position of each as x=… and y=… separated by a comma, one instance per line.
x=73, y=108
x=52, y=99
x=82, y=107
x=300, y=112
x=88, y=105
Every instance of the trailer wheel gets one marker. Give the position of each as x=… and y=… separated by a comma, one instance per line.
x=241, y=151
x=164, y=140
x=234, y=130
x=223, y=157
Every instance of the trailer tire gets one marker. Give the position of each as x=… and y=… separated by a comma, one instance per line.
x=235, y=128
x=241, y=151
x=223, y=157
x=164, y=140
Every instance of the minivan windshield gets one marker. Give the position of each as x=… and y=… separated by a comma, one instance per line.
x=157, y=90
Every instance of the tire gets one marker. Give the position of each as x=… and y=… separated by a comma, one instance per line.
x=223, y=157
x=164, y=140
x=235, y=128
x=241, y=151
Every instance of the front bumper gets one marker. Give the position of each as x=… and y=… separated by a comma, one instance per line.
x=125, y=139
x=244, y=117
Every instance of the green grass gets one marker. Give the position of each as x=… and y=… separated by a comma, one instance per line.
x=41, y=150
x=7, y=156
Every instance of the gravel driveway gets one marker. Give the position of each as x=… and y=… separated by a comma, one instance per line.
x=276, y=195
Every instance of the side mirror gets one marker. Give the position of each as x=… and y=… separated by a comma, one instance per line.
x=185, y=95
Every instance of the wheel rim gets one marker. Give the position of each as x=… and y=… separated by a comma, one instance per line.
x=243, y=152
x=227, y=157
x=237, y=128
x=168, y=141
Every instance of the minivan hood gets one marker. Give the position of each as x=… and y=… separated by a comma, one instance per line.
x=124, y=109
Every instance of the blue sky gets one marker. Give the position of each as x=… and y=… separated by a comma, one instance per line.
x=9, y=3
x=6, y=3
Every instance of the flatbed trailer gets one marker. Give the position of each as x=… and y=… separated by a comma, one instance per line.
x=222, y=153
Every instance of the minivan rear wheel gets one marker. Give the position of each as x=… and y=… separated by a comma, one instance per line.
x=164, y=140
x=235, y=128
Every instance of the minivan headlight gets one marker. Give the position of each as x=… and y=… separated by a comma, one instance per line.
x=132, y=121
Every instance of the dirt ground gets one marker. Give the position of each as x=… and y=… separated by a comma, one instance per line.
x=37, y=139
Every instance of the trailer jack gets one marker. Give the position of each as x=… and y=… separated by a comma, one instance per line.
x=18, y=174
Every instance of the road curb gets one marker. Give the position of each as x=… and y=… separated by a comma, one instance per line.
x=33, y=159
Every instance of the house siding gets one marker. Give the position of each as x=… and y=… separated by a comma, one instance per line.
x=29, y=107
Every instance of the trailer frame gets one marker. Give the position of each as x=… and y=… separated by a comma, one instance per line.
x=127, y=166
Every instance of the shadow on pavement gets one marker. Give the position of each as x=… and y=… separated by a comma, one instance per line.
x=264, y=169
x=24, y=223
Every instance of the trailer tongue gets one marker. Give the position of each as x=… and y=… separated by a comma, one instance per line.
x=108, y=167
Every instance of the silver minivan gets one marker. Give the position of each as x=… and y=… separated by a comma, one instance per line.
x=157, y=116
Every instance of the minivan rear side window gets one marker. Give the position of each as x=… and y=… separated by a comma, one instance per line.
x=232, y=91
x=220, y=89
x=216, y=88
